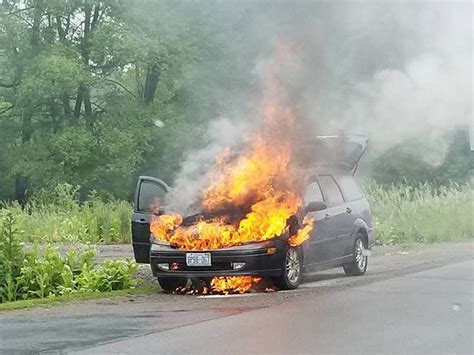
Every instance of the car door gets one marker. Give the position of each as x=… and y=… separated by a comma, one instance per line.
x=323, y=227
x=150, y=192
x=352, y=201
x=336, y=213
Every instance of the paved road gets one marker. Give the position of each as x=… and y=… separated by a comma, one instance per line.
x=426, y=312
x=410, y=302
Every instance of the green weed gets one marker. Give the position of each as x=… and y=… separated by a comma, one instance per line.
x=419, y=214
x=28, y=273
x=58, y=216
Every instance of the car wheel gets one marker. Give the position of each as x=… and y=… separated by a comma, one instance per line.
x=359, y=264
x=292, y=270
x=170, y=284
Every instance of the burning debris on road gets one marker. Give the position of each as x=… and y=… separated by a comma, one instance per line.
x=226, y=286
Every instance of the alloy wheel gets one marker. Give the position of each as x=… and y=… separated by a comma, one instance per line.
x=292, y=265
x=360, y=257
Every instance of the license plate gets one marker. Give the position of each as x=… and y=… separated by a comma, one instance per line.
x=198, y=259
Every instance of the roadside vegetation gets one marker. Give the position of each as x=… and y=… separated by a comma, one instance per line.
x=403, y=214
x=59, y=216
x=29, y=272
x=424, y=213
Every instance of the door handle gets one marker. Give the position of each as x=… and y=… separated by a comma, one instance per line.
x=141, y=221
x=348, y=210
x=327, y=216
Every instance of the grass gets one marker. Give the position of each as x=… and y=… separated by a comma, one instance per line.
x=53, y=301
x=59, y=217
x=402, y=214
x=421, y=214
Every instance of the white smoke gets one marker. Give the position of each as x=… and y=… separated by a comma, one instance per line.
x=195, y=169
x=420, y=101
x=399, y=72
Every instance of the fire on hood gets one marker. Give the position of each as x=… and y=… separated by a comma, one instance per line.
x=252, y=194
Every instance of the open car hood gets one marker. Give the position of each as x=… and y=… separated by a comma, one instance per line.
x=342, y=152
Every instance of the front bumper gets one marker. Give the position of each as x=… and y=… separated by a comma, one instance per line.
x=256, y=256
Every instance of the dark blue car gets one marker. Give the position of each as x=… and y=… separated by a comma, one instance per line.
x=341, y=235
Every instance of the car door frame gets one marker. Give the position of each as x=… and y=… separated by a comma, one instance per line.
x=343, y=225
x=329, y=253
x=140, y=223
x=320, y=234
x=353, y=207
x=337, y=213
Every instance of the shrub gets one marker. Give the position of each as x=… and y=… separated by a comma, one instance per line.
x=11, y=258
x=43, y=272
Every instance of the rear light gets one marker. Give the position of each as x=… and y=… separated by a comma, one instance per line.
x=237, y=266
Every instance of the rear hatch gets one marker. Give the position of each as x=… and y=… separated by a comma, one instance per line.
x=338, y=151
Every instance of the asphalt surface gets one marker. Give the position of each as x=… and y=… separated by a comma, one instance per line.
x=416, y=301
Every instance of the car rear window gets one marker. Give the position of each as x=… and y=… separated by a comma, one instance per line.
x=349, y=187
x=331, y=191
x=150, y=196
x=313, y=193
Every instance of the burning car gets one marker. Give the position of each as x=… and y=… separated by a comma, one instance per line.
x=254, y=225
x=274, y=204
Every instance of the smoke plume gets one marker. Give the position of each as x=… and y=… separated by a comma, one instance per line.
x=398, y=72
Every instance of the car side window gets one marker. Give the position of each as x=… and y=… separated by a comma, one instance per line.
x=313, y=193
x=150, y=196
x=349, y=187
x=331, y=191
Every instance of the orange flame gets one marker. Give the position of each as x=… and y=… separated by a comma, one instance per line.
x=234, y=284
x=303, y=234
x=260, y=186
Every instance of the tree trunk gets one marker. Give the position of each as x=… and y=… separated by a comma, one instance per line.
x=88, y=109
x=91, y=16
x=54, y=110
x=35, y=28
x=77, y=106
x=66, y=107
x=21, y=179
x=151, y=82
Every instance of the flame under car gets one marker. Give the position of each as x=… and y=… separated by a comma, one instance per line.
x=340, y=235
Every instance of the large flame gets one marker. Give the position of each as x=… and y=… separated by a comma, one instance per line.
x=252, y=193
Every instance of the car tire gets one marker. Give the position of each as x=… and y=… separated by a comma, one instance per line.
x=358, y=266
x=292, y=270
x=170, y=284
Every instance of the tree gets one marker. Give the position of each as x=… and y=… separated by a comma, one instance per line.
x=80, y=89
x=93, y=93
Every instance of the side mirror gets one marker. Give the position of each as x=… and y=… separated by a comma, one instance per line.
x=314, y=206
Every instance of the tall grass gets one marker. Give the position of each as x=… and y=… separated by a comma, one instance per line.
x=407, y=214
x=58, y=216
x=402, y=214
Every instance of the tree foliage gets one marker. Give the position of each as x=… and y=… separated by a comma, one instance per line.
x=82, y=85
x=399, y=166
